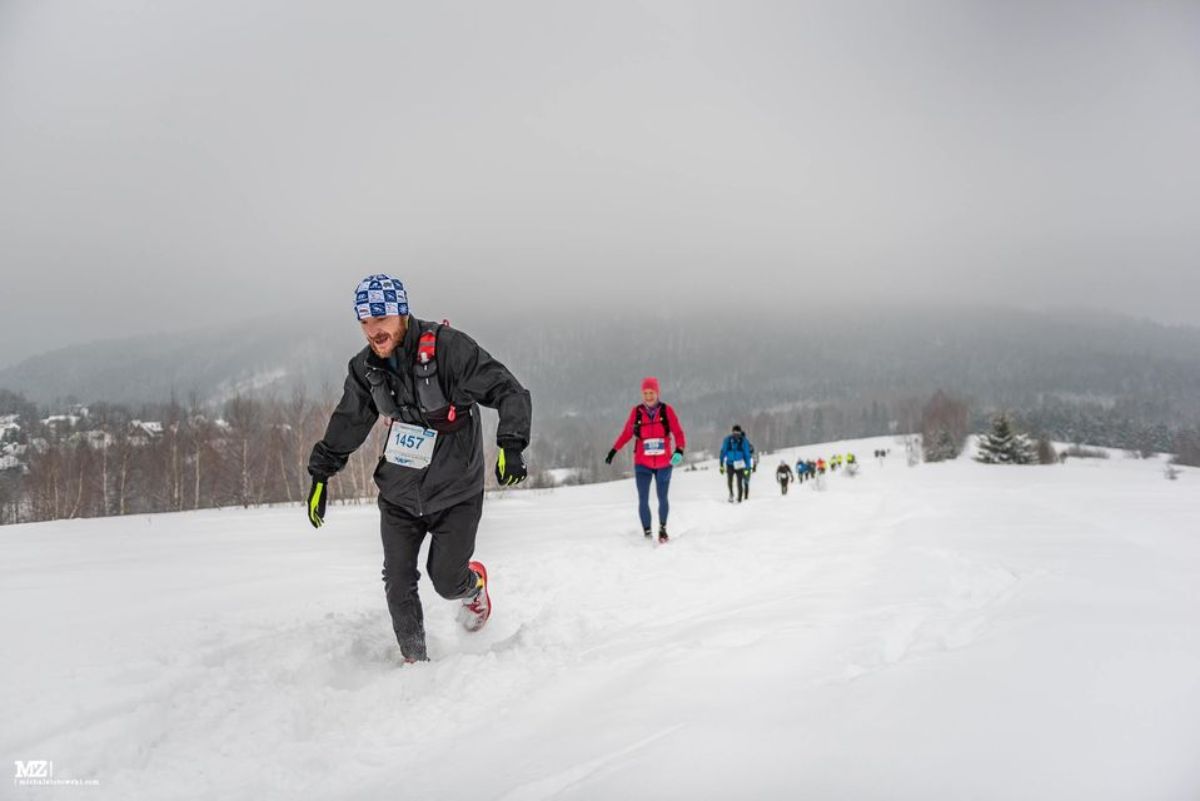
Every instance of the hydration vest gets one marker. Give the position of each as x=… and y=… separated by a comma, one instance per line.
x=663, y=418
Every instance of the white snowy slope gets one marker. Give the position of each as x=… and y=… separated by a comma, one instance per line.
x=946, y=631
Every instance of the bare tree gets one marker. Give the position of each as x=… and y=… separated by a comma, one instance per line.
x=943, y=427
x=124, y=457
x=245, y=418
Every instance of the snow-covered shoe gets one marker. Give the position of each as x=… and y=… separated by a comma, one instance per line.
x=648, y=533
x=477, y=608
x=662, y=535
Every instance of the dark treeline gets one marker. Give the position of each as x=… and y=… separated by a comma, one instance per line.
x=258, y=402
x=110, y=460
x=1116, y=425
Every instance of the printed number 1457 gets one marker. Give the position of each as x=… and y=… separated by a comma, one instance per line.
x=410, y=441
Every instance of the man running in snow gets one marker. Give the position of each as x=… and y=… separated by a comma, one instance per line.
x=653, y=425
x=784, y=475
x=428, y=381
x=736, y=462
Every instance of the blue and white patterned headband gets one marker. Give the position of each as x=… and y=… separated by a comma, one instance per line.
x=380, y=296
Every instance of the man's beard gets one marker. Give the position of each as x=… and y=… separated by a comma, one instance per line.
x=387, y=348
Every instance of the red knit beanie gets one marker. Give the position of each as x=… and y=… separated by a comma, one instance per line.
x=651, y=383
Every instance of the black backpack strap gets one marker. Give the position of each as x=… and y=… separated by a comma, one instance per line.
x=662, y=418
x=428, y=383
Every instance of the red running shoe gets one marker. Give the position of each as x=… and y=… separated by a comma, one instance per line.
x=477, y=609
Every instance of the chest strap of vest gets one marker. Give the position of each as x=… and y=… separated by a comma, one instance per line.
x=662, y=418
x=430, y=396
x=429, y=390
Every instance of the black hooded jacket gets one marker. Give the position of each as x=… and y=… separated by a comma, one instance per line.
x=467, y=377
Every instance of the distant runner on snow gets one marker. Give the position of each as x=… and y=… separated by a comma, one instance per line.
x=785, y=476
x=737, y=462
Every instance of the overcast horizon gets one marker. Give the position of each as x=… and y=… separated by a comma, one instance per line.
x=167, y=167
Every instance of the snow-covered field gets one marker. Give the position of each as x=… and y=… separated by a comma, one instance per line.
x=947, y=631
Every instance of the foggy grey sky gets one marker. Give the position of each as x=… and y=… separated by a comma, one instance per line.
x=174, y=164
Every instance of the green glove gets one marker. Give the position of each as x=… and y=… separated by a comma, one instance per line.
x=677, y=457
x=316, y=503
x=510, y=467
x=746, y=472
x=722, y=468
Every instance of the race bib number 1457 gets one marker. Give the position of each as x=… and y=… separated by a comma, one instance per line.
x=410, y=446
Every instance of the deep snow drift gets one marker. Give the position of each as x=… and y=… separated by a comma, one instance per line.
x=945, y=631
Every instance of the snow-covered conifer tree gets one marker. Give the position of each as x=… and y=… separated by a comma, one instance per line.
x=1005, y=445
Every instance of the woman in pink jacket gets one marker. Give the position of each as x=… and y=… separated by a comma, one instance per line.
x=658, y=446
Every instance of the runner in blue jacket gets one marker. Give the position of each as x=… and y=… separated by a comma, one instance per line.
x=801, y=470
x=737, y=459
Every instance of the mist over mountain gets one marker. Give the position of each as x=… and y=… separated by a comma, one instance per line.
x=714, y=367
x=247, y=403
x=205, y=365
